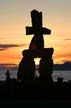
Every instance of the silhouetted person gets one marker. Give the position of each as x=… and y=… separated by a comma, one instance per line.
x=60, y=80
x=7, y=75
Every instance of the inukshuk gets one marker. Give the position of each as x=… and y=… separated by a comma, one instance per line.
x=26, y=70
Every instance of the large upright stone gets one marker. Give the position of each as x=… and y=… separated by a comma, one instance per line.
x=26, y=70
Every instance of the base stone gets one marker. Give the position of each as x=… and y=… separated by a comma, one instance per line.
x=26, y=70
x=45, y=70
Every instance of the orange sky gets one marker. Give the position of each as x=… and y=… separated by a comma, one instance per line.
x=15, y=16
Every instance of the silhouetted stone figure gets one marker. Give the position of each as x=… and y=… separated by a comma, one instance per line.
x=36, y=49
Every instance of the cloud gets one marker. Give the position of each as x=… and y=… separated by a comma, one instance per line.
x=1, y=38
x=67, y=39
x=8, y=66
x=6, y=46
x=23, y=45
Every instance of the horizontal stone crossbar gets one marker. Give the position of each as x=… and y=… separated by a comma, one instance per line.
x=38, y=31
x=42, y=53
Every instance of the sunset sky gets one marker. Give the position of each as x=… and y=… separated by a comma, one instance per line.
x=15, y=16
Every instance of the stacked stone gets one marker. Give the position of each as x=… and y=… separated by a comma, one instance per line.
x=36, y=49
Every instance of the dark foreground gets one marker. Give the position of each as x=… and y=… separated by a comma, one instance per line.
x=35, y=94
x=14, y=89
